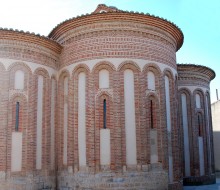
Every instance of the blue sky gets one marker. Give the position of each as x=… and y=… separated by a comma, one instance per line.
x=198, y=19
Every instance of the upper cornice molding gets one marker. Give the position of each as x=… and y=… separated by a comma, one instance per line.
x=195, y=70
x=32, y=38
x=108, y=14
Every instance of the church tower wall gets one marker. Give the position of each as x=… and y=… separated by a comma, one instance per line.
x=121, y=71
x=28, y=64
x=195, y=123
x=101, y=104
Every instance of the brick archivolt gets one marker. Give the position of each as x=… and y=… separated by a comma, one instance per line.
x=122, y=64
x=103, y=65
x=42, y=71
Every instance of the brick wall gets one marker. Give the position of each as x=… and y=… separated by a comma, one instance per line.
x=89, y=47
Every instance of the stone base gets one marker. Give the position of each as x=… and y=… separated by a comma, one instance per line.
x=200, y=180
x=129, y=180
x=30, y=181
x=176, y=186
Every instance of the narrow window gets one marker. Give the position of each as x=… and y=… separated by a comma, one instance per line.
x=151, y=115
x=17, y=117
x=104, y=114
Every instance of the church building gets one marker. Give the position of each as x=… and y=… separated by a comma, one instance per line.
x=101, y=104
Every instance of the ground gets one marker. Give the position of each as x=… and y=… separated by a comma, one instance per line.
x=205, y=187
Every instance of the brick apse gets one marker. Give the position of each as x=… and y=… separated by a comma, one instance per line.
x=102, y=104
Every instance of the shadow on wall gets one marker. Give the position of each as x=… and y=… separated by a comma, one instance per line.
x=216, y=140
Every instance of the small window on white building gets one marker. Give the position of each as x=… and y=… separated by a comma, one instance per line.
x=103, y=78
x=19, y=80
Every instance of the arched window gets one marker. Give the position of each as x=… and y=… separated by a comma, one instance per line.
x=19, y=80
x=151, y=80
x=103, y=78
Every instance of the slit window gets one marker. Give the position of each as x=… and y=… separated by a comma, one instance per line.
x=152, y=115
x=104, y=113
x=17, y=116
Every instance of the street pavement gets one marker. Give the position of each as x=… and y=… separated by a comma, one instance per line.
x=205, y=187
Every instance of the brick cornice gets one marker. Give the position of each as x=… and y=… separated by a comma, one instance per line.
x=105, y=17
x=31, y=38
x=116, y=29
x=28, y=51
x=195, y=71
x=194, y=75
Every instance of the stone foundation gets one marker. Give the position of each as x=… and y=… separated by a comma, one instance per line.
x=176, y=186
x=82, y=180
x=31, y=181
x=128, y=180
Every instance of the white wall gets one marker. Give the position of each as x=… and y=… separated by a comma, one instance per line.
x=39, y=121
x=52, y=124
x=153, y=146
x=168, y=122
x=198, y=101
x=130, y=128
x=103, y=78
x=65, y=121
x=105, y=147
x=82, y=119
x=151, y=80
x=201, y=156
x=216, y=132
x=185, y=135
x=19, y=80
x=16, y=152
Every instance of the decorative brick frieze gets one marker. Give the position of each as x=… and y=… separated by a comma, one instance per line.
x=117, y=44
x=25, y=51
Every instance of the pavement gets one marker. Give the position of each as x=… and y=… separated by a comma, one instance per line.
x=205, y=187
